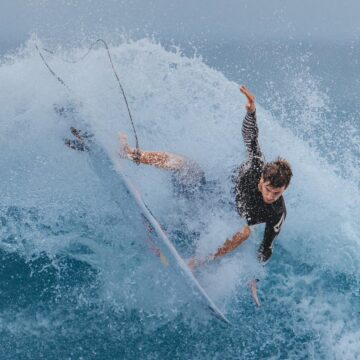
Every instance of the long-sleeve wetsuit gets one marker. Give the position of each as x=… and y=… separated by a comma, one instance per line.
x=249, y=201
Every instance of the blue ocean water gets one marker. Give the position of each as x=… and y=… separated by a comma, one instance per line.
x=76, y=280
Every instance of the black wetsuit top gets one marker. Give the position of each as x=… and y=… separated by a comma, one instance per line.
x=249, y=201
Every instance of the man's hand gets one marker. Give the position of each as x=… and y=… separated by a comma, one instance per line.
x=194, y=263
x=254, y=292
x=250, y=106
x=264, y=253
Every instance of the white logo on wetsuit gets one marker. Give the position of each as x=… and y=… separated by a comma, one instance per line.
x=277, y=227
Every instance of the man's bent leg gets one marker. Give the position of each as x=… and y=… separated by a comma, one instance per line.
x=162, y=160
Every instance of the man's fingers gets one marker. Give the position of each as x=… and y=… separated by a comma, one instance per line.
x=247, y=93
x=254, y=292
x=243, y=90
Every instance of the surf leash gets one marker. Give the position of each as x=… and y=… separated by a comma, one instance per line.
x=52, y=72
x=58, y=78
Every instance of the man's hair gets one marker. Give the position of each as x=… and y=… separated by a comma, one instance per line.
x=278, y=173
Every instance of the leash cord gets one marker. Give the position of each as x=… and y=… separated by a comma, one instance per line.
x=114, y=71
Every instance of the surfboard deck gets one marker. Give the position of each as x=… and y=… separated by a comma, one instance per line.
x=156, y=238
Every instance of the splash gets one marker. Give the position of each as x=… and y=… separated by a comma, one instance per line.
x=54, y=205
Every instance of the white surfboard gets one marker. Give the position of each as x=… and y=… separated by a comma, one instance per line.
x=168, y=254
x=156, y=238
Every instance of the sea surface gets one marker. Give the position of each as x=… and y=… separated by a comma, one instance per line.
x=77, y=281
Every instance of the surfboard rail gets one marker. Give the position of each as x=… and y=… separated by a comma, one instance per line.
x=148, y=215
x=168, y=254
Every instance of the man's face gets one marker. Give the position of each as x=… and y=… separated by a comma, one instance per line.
x=269, y=193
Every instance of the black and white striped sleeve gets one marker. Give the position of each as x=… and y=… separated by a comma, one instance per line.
x=250, y=134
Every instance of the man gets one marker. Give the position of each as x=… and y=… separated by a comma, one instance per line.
x=259, y=186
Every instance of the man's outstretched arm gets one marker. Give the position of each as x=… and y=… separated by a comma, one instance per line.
x=229, y=246
x=250, y=129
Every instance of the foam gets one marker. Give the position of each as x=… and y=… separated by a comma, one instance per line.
x=179, y=105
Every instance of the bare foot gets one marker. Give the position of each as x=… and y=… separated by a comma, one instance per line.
x=124, y=146
x=125, y=152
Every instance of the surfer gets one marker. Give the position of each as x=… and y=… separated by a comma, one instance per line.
x=258, y=186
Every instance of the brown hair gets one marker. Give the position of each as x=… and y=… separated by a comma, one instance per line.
x=278, y=173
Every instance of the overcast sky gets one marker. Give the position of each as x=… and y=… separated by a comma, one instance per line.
x=182, y=20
